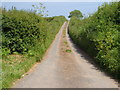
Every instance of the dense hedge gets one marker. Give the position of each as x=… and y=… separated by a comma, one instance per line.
x=23, y=30
x=99, y=35
x=25, y=38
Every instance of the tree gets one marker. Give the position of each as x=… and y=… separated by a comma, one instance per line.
x=40, y=9
x=75, y=13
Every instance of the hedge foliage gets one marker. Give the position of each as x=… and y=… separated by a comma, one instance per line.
x=99, y=35
x=25, y=38
x=23, y=30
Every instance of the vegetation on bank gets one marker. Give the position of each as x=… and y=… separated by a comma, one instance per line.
x=75, y=13
x=99, y=35
x=25, y=38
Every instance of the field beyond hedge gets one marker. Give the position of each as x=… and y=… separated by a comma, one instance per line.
x=99, y=35
x=25, y=38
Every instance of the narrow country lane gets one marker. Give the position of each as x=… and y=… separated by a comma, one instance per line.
x=65, y=66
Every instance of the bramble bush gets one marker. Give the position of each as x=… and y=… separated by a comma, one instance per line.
x=99, y=35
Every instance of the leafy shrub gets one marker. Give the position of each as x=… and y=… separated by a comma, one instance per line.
x=22, y=30
x=27, y=35
x=99, y=36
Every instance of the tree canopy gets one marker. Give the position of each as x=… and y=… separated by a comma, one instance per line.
x=75, y=13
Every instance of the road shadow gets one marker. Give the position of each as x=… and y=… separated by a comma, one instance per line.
x=91, y=60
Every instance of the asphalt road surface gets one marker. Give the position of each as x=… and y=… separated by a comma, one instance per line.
x=65, y=66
